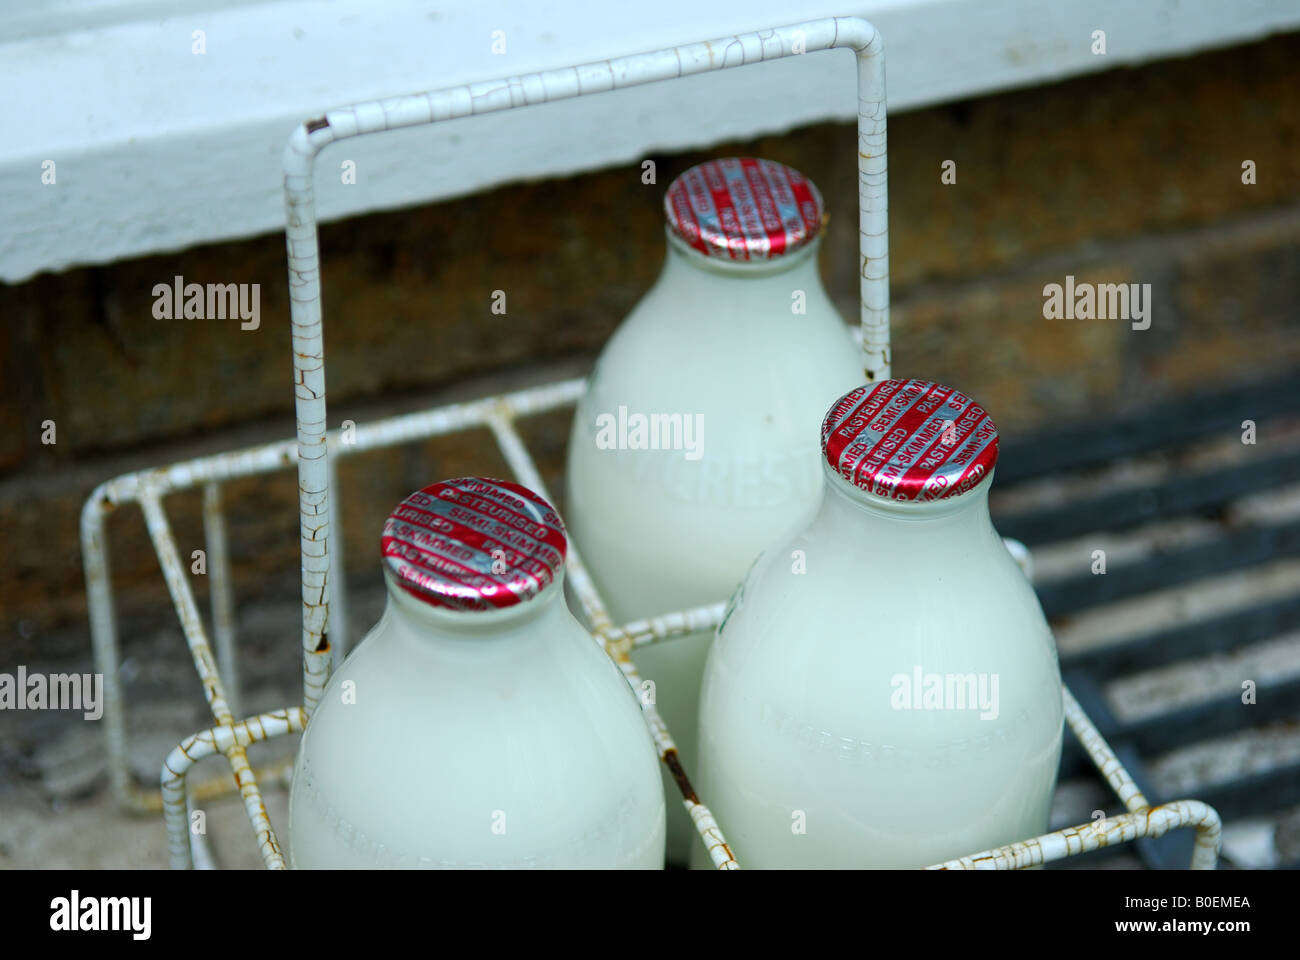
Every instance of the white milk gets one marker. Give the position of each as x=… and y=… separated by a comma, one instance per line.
x=739, y=359
x=478, y=724
x=884, y=690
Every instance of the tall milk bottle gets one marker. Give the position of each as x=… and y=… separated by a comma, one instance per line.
x=884, y=690
x=478, y=724
x=695, y=444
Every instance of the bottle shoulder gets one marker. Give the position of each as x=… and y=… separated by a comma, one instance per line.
x=447, y=689
x=760, y=379
x=831, y=581
x=692, y=305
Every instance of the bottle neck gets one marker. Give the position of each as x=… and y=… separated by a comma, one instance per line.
x=416, y=618
x=964, y=515
x=689, y=263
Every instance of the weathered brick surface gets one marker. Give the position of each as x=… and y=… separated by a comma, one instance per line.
x=408, y=300
x=1129, y=176
x=1081, y=163
x=13, y=420
x=1237, y=306
x=992, y=342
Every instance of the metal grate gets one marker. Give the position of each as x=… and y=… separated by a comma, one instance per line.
x=1211, y=527
x=315, y=452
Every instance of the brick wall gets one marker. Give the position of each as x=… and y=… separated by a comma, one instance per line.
x=1132, y=176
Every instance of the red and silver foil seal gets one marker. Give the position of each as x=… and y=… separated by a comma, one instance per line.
x=474, y=544
x=740, y=208
x=910, y=440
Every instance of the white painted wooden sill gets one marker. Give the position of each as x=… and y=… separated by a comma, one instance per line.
x=157, y=147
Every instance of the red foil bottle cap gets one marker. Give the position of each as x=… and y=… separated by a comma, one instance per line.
x=910, y=440
x=474, y=544
x=740, y=208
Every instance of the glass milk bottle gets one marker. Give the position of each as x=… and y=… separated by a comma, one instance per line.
x=694, y=446
x=478, y=724
x=884, y=689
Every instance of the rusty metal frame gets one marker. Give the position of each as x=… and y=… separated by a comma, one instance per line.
x=497, y=413
x=315, y=452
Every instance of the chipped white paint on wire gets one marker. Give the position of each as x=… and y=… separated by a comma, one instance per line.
x=510, y=93
x=1147, y=822
x=497, y=412
x=230, y=737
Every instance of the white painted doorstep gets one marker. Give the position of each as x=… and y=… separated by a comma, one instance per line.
x=156, y=147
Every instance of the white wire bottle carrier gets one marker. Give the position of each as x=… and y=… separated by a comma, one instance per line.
x=324, y=621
